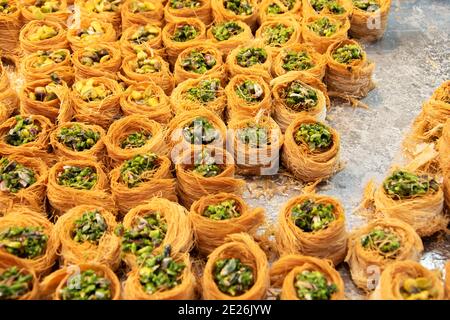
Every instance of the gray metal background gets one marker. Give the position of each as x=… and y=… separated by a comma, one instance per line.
x=412, y=60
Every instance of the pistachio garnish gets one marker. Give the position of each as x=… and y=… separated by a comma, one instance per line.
x=92, y=56
x=232, y=276
x=315, y=135
x=138, y=169
x=184, y=32
x=181, y=4
x=43, y=94
x=206, y=166
x=198, y=62
x=77, y=138
x=137, y=6
x=277, y=35
x=297, y=61
x=250, y=91
x=274, y=8
x=25, y=130
x=146, y=64
x=403, y=185
x=99, y=6
x=367, y=5
x=384, y=241
x=23, y=242
x=313, y=285
x=15, y=176
x=310, y=216
x=206, y=91
x=225, y=30
x=90, y=227
x=135, y=140
x=324, y=27
x=146, y=97
x=42, y=33
x=90, y=91
x=254, y=135
x=239, y=7
x=299, y=98
x=86, y=285
x=44, y=6
x=147, y=233
x=144, y=33
x=348, y=53
x=6, y=7
x=248, y=57
x=81, y=178
x=14, y=283
x=332, y=6
x=94, y=29
x=224, y=210
x=47, y=58
x=200, y=131
x=420, y=288
x=160, y=272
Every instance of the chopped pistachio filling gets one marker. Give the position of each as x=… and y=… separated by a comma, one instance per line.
x=313, y=285
x=184, y=4
x=94, y=29
x=332, y=6
x=81, y=178
x=90, y=227
x=77, y=138
x=135, y=140
x=138, y=169
x=420, y=288
x=200, y=131
x=47, y=58
x=146, y=97
x=324, y=27
x=44, y=6
x=250, y=91
x=25, y=131
x=144, y=34
x=367, y=5
x=384, y=241
x=310, y=216
x=184, y=32
x=348, y=53
x=248, y=57
x=146, y=64
x=43, y=94
x=239, y=7
x=254, y=135
x=206, y=166
x=15, y=176
x=315, y=135
x=299, y=98
x=24, y=242
x=147, y=233
x=226, y=30
x=403, y=185
x=14, y=283
x=277, y=35
x=43, y=33
x=206, y=91
x=6, y=7
x=160, y=272
x=87, y=285
x=222, y=211
x=90, y=91
x=297, y=61
x=232, y=276
x=92, y=56
x=274, y=8
x=198, y=62
x=137, y=6
x=99, y=6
